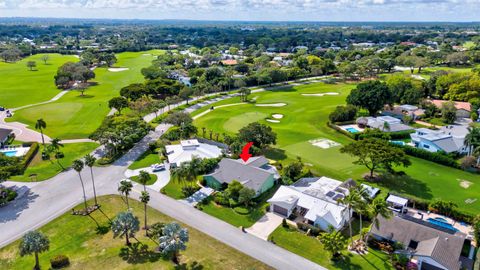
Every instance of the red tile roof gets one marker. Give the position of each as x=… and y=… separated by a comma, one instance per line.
x=229, y=62
x=458, y=104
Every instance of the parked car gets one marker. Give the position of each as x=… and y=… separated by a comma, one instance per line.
x=157, y=167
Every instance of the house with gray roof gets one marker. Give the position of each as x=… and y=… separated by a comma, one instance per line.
x=448, y=139
x=5, y=135
x=256, y=174
x=430, y=246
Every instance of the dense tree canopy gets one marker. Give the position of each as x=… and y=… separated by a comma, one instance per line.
x=370, y=95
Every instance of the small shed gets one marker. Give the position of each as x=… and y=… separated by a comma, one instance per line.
x=396, y=203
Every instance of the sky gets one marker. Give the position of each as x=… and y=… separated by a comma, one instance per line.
x=258, y=10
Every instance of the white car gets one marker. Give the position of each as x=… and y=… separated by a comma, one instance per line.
x=157, y=167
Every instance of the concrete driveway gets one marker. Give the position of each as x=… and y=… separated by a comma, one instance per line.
x=163, y=177
x=265, y=225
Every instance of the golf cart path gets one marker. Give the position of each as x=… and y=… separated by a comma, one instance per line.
x=55, y=98
x=220, y=106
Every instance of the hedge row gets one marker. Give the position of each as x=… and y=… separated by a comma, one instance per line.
x=30, y=154
x=315, y=231
x=436, y=157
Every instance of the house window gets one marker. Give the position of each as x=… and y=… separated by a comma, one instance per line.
x=426, y=146
x=413, y=244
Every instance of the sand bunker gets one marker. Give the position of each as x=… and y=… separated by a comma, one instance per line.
x=277, y=116
x=321, y=94
x=323, y=143
x=470, y=201
x=271, y=104
x=117, y=69
x=464, y=183
x=272, y=121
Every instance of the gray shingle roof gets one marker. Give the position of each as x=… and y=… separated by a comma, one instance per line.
x=442, y=246
x=248, y=174
x=4, y=133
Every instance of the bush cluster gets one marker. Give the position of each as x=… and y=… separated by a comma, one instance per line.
x=343, y=113
x=59, y=261
x=436, y=157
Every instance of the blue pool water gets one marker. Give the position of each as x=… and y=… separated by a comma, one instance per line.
x=398, y=142
x=352, y=130
x=11, y=153
x=442, y=223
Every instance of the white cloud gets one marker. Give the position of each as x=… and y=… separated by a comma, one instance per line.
x=249, y=9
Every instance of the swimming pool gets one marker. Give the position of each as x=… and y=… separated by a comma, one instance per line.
x=398, y=142
x=442, y=223
x=352, y=130
x=11, y=153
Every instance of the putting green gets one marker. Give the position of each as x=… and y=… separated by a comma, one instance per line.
x=74, y=116
x=306, y=119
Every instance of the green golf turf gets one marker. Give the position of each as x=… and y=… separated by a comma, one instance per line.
x=75, y=116
x=305, y=118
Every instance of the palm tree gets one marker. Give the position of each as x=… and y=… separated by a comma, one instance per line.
x=145, y=198
x=472, y=139
x=78, y=167
x=90, y=161
x=143, y=178
x=55, y=145
x=125, y=224
x=125, y=188
x=173, y=240
x=333, y=241
x=41, y=125
x=378, y=207
x=361, y=206
x=34, y=242
x=351, y=200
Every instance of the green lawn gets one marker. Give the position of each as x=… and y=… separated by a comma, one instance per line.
x=75, y=116
x=305, y=118
x=229, y=215
x=19, y=86
x=145, y=160
x=92, y=247
x=173, y=189
x=153, y=179
x=45, y=169
x=310, y=248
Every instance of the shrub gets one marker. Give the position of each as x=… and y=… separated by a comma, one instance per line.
x=189, y=190
x=241, y=210
x=221, y=198
x=467, y=162
x=59, y=261
x=156, y=230
x=314, y=231
x=30, y=154
x=7, y=195
x=343, y=113
x=284, y=223
x=436, y=157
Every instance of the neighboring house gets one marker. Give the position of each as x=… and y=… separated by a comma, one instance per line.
x=383, y=123
x=429, y=246
x=448, y=139
x=463, y=108
x=187, y=149
x=314, y=201
x=229, y=62
x=399, y=111
x=256, y=174
x=5, y=135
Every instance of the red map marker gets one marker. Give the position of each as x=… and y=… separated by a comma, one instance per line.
x=245, y=155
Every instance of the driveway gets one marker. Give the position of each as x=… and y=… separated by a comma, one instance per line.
x=265, y=225
x=163, y=177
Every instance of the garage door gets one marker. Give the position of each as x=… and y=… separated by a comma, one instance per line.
x=280, y=210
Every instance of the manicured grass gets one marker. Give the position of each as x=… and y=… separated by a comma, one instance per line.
x=145, y=160
x=75, y=116
x=311, y=248
x=173, y=189
x=45, y=169
x=92, y=247
x=153, y=179
x=237, y=219
x=305, y=118
x=19, y=86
